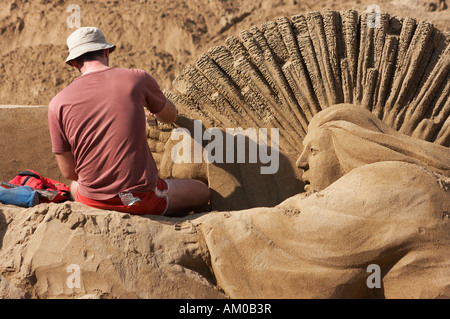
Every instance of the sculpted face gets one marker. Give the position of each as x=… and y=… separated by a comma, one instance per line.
x=319, y=161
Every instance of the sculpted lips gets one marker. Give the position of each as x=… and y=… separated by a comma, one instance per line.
x=307, y=186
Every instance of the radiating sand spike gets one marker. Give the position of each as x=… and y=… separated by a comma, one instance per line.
x=224, y=59
x=256, y=54
x=317, y=33
x=441, y=99
x=303, y=91
x=408, y=74
x=284, y=73
x=226, y=88
x=236, y=48
x=295, y=84
x=380, y=38
x=209, y=98
x=268, y=63
x=407, y=32
x=432, y=121
x=369, y=88
x=293, y=52
x=417, y=110
x=349, y=20
x=275, y=41
x=365, y=57
x=425, y=66
x=307, y=52
x=347, y=83
x=189, y=107
x=273, y=103
x=245, y=67
x=269, y=68
x=287, y=143
x=302, y=88
x=334, y=40
x=288, y=104
x=258, y=36
x=385, y=77
x=432, y=56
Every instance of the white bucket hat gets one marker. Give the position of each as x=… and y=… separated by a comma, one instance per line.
x=86, y=39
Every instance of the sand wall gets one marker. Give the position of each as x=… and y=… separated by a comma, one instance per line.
x=25, y=142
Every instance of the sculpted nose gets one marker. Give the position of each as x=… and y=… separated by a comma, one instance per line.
x=302, y=162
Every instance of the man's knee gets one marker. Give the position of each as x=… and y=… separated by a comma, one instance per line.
x=187, y=194
x=202, y=192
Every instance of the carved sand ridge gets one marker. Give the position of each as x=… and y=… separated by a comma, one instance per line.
x=284, y=72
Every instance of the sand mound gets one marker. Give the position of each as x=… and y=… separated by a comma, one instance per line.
x=121, y=256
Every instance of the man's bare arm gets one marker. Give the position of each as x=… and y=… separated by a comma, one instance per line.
x=168, y=114
x=66, y=165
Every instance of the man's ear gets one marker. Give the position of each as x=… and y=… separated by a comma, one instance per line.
x=75, y=65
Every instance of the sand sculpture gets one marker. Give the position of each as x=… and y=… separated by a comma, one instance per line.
x=286, y=71
x=377, y=195
x=376, y=198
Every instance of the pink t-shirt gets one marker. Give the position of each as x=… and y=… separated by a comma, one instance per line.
x=100, y=118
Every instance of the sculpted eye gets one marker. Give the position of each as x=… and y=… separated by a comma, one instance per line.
x=313, y=151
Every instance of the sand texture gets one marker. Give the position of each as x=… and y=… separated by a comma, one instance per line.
x=251, y=64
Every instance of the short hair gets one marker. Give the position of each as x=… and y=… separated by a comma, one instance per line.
x=89, y=56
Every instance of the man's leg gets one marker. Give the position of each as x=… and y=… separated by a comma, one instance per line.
x=186, y=195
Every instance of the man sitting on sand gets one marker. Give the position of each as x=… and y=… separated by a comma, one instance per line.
x=98, y=133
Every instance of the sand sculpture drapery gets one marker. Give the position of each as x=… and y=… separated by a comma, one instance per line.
x=390, y=214
x=285, y=71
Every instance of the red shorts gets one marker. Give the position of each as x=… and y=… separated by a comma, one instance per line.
x=152, y=203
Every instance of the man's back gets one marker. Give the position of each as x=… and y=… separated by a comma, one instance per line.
x=101, y=120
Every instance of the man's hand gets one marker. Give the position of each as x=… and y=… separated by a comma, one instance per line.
x=168, y=114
